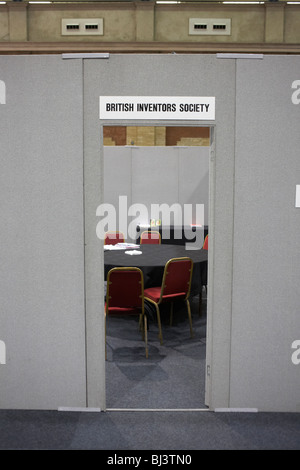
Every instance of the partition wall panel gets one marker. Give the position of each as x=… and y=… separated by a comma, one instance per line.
x=163, y=75
x=266, y=262
x=162, y=176
x=154, y=177
x=42, y=319
x=193, y=171
x=118, y=179
x=52, y=183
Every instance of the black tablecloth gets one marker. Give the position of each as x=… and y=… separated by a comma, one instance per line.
x=153, y=259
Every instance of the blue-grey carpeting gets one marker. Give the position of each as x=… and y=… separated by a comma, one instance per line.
x=173, y=376
x=156, y=431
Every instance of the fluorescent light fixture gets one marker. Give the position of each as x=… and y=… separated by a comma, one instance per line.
x=40, y=2
x=293, y=3
x=236, y=410
x=167, y=2
x=86, y=55
x=2, y=3
x=230, y=55
x=242, y=3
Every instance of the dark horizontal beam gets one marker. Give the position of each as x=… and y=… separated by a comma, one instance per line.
x=145, y=47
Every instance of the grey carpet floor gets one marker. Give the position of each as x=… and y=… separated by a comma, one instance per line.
x=173, y=376
x=150, y=431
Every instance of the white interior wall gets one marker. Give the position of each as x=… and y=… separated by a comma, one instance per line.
x=158, y=175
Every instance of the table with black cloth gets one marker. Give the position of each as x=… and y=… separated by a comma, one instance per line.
x=152, y=262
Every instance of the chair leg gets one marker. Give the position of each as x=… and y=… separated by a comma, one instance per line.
x=158, y=320
x=190, y=317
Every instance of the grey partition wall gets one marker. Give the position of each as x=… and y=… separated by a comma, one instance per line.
x=193, y=183
x=42, y=321
x=266, y=262
x=155, y=177
x=164, y=75
x=118, y=175
x=52, y=184
x=253, y=302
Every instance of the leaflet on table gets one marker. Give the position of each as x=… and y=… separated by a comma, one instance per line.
x=133, y=252
x=121, y=246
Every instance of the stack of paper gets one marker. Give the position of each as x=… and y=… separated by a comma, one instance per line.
x=121, y=246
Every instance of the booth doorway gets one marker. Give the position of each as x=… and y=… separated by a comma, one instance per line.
x=174, y=375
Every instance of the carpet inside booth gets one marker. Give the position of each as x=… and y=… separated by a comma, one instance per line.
x=173, y=376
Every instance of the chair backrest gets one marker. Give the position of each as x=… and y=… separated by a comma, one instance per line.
x=150, y=237
x=112, y=238
x=177, y=277
x=205, y=244
x=125, y=288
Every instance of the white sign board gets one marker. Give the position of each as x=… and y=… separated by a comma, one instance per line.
x=157, y=107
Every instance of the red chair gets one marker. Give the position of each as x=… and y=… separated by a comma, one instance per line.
x=205, y=244
x=112, y=238
x=150, y=237
x=176, y=285
x=125, y=296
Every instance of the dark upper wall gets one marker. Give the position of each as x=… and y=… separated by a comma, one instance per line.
x=147, y=26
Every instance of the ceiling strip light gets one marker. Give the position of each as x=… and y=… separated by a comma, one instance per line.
x=242, y=3
x=167, y=2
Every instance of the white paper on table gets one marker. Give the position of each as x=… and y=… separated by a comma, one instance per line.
x=133, y=252
x=128, y=245
x=112, y=247
x=120, y=246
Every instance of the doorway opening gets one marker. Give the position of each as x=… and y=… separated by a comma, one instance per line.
x=158, y=164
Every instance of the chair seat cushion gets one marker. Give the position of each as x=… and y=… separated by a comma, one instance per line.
x=124, y=311
x=153, y=293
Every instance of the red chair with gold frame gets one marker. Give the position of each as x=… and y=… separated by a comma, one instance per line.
x=176, y=285
x=112, y=238
x=125, y=296
x=205, y=243
x=150, y=237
